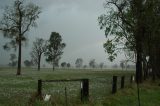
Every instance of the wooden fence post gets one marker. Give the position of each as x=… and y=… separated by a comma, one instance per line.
x=85, y=90
x=66, y=101
x=122, y=82
x=114, y=85
x=132, y=79
x=40, y=88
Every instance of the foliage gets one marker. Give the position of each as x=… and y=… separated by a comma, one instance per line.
x=92, y=63
x=13, y=60
x=16, y=17
x=68, y=65
x=54, y=49
x=79, y=62
x=16, y=22
x=63, y=64
x=28, y=63
x=118, y=26
x=101, y=65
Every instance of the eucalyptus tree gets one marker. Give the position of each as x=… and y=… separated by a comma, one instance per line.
x=39, y=47
x=79, y=62
x=55, y=48
x=16, y=22
x=124, y=26
x=92, y=63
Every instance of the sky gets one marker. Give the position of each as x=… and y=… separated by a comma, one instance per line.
x=76, y=21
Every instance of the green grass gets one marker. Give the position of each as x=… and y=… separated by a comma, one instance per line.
x=20, y=90
x=149, y=96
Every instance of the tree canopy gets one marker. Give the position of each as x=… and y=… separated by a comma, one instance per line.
x=55, y=48
x=16, y=22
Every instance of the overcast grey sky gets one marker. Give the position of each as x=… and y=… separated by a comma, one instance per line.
x=76, y=21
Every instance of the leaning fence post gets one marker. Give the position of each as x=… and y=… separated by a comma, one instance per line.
x=85, y=90
x=114, y=85
x=39, y=88
x=122, y=82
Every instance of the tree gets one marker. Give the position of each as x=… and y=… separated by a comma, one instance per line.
x=122, y=64
x=16, y=22
x=54, y=49
x=101, y=65
x=28, y=63
x=92, y=63
x=39, y=47
x=85, y=66
x=68, y=65
x=13, y=60
x=79, y=62
x=126, y=23
x=63, y=64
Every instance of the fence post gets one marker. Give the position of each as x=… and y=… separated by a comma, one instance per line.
x=132, y=79
x=40, y=88
x=114, y=85
x=66, y=101
x=85, y=90
x=122, y=82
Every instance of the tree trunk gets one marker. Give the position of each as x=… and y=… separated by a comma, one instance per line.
x=53, y=67
x=19, y=41
x=39, y=62
x=139, y=68
x=19, y=57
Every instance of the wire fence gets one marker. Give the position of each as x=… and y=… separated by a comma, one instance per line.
x=63, y=91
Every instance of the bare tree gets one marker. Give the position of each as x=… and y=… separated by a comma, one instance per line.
x=39, y=47
x=17, y=20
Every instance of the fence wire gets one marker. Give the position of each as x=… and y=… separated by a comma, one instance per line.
x=99, y=88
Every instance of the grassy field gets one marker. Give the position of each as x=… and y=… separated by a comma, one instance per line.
x=20, y=90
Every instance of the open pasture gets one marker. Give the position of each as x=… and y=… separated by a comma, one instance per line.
x=19, y=90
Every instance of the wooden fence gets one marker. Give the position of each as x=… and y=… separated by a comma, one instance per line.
x=85, y=85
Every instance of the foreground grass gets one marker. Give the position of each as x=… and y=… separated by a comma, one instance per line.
x=20, y=90
x=149, y=96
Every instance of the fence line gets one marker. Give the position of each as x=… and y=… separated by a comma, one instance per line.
x=84, y=85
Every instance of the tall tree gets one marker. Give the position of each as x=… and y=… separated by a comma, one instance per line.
x=55, y=48
x=125, y=23
x=39, y=47
x=79, y=62
x=16, y=22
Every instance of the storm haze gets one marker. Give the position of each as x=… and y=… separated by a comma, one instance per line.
x=75, y=20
